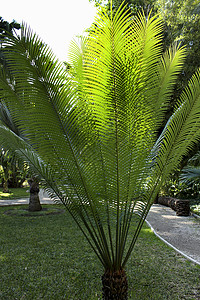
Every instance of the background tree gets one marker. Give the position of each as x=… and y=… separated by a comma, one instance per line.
x=6, y=29
x=6, y=161
x=182, y=23
x=92, y=137
x=14, y=171
x=133, y=5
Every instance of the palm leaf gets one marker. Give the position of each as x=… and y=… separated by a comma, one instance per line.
x=182, y=130
x=190, y=174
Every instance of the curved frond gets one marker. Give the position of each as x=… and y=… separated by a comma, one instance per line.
x=182, y=130
x=168, y=69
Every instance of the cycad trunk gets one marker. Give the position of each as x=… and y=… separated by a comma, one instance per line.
x=115, y=285
x=34, y=201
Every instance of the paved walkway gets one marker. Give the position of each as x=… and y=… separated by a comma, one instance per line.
x=181, y=233
x=44, y=199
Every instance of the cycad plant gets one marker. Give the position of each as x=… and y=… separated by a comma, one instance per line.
x=93, y=134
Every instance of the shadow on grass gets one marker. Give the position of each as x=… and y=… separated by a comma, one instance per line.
x=24, y=212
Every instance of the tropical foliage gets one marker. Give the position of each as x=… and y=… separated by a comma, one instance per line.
x=181, y=19
x=182, y=23
x=176, y=187
x=185, y=183
x=91, y=134
x=6, y=28
x=13, y=172
x=133, y=5
x=190, y=175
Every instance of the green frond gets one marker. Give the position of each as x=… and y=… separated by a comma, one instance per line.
x=190, y=174
x=168, y=69
x=182, y=130
x=76, y=56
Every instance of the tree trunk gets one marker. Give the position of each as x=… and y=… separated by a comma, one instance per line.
x=5, y=186
x=115, y=285
x=34, y=200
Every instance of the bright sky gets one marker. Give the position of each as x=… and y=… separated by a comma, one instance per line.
x=57, y=22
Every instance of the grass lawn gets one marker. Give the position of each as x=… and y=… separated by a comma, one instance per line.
x=46, y=257
x=14, y=193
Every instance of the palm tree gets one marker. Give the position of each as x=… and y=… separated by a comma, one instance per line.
x=94, y=131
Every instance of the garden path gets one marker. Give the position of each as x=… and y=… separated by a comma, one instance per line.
x=181, y=233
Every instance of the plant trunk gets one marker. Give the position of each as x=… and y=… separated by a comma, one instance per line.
x=5, y=186
x=34, y=200
x=115, y=285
